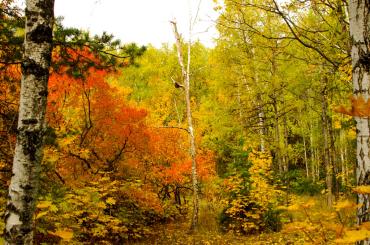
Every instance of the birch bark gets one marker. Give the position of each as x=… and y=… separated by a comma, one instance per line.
x=359, y=20
x=28, y=149
x=186, y=79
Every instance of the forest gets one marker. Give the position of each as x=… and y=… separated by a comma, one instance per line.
x=261, y=139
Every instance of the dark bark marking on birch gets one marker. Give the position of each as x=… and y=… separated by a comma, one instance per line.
x=32, y=141
x=41, y=34
x=43, y=93
x=47, y=7
x=32, y=17
x=12, y=208
x=364, y=61
x=29, y=121
x=30, y=67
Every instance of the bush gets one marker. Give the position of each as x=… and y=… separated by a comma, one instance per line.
x=251, y=200
x=105, y=211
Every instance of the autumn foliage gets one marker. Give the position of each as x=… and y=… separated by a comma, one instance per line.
x=251, y=203
x=119, y=175
x=359, y=107
x=271, y=143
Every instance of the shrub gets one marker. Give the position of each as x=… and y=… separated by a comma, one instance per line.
x=251, y=202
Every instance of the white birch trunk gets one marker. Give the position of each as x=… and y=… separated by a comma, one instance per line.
x=359, y=18
x=28, y=149
x=261, y=114
x=186, y=79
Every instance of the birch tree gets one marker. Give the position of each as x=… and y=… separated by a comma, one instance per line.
x=185, y=71
x=359, y=16
x=30, y=130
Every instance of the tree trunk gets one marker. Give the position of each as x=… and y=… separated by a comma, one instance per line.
x=261, y=125
x=359, y=18
x=333, y=156
x=186, y=80
x=28, y=149
x=261, y=113
x=313, y=157
x=277, y=137
x=305, y=157
x=342, y=160
x=326, y=155
x=286, y=146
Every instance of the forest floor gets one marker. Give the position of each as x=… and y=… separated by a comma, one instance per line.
x=314, y=224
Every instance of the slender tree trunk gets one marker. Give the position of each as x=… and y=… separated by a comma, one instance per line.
x=333, y=156
x=28, y=149
x=286, y=145
x=359, y=18
x=186, y=78
x=341, y=155
x=326, y=155
x=313, y=158
x=318, y=164
x=346, y=164
x=342, y=166
x=305, y=157
x=277, y=137
x=261, y=114
x=261, y=126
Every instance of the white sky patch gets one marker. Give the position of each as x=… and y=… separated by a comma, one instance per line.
x=140, y=21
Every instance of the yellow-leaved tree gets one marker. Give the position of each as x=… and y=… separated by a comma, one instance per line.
x=251, y=198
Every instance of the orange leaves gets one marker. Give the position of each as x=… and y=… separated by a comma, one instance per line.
x=99, y=130
x=359, y=107
x=10, y=76
x=168, y=151
x=96, y=127
x=206, y=164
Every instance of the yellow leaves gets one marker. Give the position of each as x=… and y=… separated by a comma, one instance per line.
x=298, y=225
x=345, y=71
x=44, y=204
x=294, y=207
x=84, y=153
x=19, y=32
x=247, y=207
x=352, y=133
x=66, y=141
x=120, y=90
x=310, y=203
x=110, y=201
x=346, y=204
x=101, y=205
x=65, y=234
x=263, y=193
x=41, y=214
x=365, y=225
x=362, y=189
x=353, y=236
x=337, y=125
x=233, y=184
x=46, y=207
x=297, y=206
x=218, y=5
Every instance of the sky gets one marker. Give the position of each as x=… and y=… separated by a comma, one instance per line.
x=140, y=21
